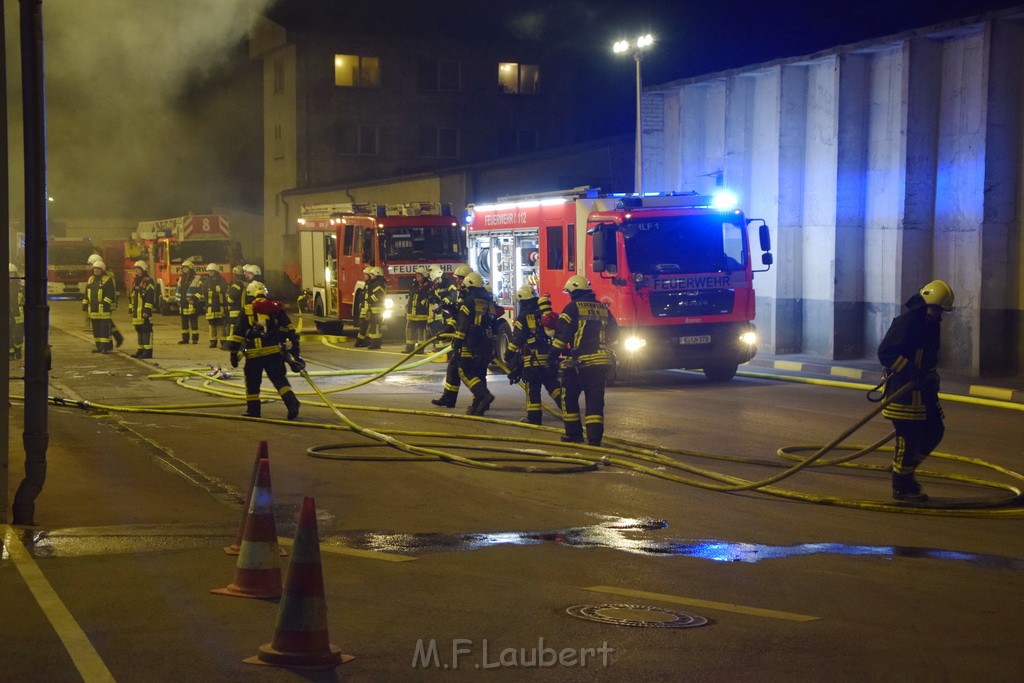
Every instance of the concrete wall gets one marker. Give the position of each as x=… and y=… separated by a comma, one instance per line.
x=879, y=166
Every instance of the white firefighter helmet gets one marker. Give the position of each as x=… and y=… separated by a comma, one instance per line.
x=462, y=271
x=188, y=264
x=938, y=293
x=525, y=292
x=376, y=271
x=252, y=268
x=237, y=270
x=367, y=270
x=576, y=283
x=93, y=258
x=436, y=273
x=255, y=289
x=212, y=267
x=13, y=268
x=473, y=280
x=99, y=264
x=141, y=264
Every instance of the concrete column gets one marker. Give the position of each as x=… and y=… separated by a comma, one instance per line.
x=999, y=328
x=960, y=191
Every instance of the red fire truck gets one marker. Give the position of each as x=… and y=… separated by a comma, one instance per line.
x=674, y=269
x=338, y=240
x=164, y=244
x=68, y=268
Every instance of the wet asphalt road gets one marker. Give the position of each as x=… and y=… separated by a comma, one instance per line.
x=137, y=506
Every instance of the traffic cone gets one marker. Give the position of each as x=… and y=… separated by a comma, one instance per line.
x=258, y=571
x=262, y=451
x=300, y=636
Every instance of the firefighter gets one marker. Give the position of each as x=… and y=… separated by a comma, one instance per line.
x=16, y=312
x=473, y=341
x=448, y=294
x=185, y=293
x=584, y=333
x=439, y=286
x=264, y=335
x=234, y=295
x=417, y=310
x=140, y=307
x=910, y=353
x=250, y=272
x=98, y=303
x=370, y=334
x=214, y=294
x=527, y=354
x=114, y=332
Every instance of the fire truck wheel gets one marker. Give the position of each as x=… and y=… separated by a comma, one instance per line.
x=721, y=371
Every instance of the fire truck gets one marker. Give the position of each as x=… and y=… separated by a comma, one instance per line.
x=164, y=244
x=68, y=267
x=337, y=241
x=675, y=269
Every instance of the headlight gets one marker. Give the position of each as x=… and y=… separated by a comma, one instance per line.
x=388, y=304
x=634, y=343
x=749, y=338
x=387, y=313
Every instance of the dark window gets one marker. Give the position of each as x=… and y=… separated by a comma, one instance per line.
x=358, y=140
x=278, y=75
x=348, y=240
x=513, y=141
x=438, y=142
x=449, y=75
x=571, y=248
x=555, y=250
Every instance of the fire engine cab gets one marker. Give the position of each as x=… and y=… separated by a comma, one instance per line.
x=337, y=241
x=674, y=269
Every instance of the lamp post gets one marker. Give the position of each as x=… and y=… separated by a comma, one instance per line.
x=636, y=47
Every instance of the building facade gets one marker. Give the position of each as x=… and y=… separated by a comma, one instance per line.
x=880, y=166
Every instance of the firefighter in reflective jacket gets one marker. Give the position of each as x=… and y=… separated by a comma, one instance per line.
x=910, y=353
x=186, y=295
x=585, y=330
x=372, y=317
x=527, y=354
x=140, y=306
x=447, y=297
x=234, y=295
x=416, y=310
x=214, y=292
x=473, y=341
x=115, y=333
x=264, y=335
x=98, y=303
x=16, y=312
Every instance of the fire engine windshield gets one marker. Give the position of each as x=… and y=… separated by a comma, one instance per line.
x=204, y=251
x=435, y=243
x=69, y=254
x=684, y=244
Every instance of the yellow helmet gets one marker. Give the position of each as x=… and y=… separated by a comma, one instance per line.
x=473, y=280
x=525, y=292
x=576, y=283
x=462, y=271
x=938, y=293
x=255, y=289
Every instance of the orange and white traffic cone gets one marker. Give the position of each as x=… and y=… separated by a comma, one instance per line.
x=262, y=451
x=300, y=637
x=258, y=571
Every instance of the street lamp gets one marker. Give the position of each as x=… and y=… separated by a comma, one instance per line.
x=636, y=47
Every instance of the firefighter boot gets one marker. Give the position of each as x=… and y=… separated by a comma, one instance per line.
x=293, y=405
x=137, y=354
x=595, y=433
x=573, y=432
x=409, y=348
x=533, y=417
x=118, y=337
x=184, y=338
x=252, y=409
x=905, y=487
x=447, y=399
x=146, y=353
x=213, y=343
x=481, y=402
x=195, y=337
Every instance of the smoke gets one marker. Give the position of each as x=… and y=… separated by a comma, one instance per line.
x=153, y=107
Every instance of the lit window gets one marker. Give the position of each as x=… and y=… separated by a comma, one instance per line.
x=355, y=71
x=518, y=79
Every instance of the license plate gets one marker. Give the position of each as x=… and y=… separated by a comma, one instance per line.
x=697, y=339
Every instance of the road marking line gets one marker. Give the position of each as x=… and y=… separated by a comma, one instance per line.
x=83, y=654
x=852, y=373
x=695, y=602
x=788, y=365
x=355, y=552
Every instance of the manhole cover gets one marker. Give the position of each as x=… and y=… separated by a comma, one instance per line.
x=636, y=615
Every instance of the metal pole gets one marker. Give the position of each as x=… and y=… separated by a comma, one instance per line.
x=5, y=286
x=638, y=180
x=36, y=436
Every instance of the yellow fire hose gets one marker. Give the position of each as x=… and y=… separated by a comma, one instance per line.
x=629, y=454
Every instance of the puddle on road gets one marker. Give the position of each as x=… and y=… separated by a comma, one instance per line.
x=627, y=535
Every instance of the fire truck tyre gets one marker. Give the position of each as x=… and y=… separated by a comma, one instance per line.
x=502, y=340
x=721, y=371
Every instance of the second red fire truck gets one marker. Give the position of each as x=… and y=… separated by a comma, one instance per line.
x=337, y=241
x=676, y=270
